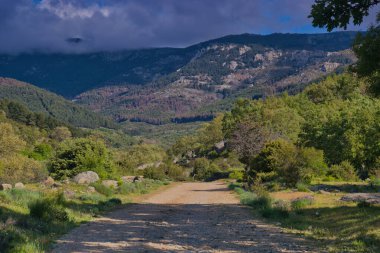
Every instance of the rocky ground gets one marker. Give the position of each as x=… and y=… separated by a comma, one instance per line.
x=188, y=217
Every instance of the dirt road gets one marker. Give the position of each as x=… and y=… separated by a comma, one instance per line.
x=188, y=217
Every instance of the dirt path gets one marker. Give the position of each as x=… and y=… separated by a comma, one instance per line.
x=188, y=217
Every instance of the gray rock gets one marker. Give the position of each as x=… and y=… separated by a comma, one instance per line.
x=370, y=198
x=87, y=177
x=128, y=179
x=91, y=189
x=5, y=187
x=19, y=185
x=49, y=182
x=110, y=184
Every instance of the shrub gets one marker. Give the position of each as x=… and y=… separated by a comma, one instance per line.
x=41, y=152
x=77, y=155
x=154, y=173
x=102, y=189
x=174, y=171
x=21, y=197
x=343, y=172
x=18, y=168
x=237, y=174
x=10, y=240
x=302, y=187
x=48, y=210
x=127, y=188
x=299, y=204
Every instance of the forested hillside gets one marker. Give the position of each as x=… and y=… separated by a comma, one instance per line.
x=249, y=66
x=50, y=104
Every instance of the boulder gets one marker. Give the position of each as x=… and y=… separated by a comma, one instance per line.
x=49, y=182
x=110, y=183
x=128, y=179
x=91, y=189
x=323, y=192
x=87, y=177
x=5, y=187
x=19, y=185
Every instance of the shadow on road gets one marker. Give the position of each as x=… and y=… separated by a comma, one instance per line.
x=178, y=228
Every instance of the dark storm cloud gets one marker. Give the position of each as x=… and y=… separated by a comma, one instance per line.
x=47, y=25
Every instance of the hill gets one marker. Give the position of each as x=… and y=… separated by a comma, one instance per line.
x=71, y=74
x=50, y=104
x=223, y=69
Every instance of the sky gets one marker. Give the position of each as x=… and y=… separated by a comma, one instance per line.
x=109, y=25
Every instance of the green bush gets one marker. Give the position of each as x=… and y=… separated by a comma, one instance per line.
x=174, y=171
x=127, y=188
x=343, y=172
x=302, y=187
x=102, y=189
x=299, y=204
x=10, y=240
x=237, y=174
x=77, y=155
x=21, y=197
x=154, y=173
x=48, y=210
x=41, y=152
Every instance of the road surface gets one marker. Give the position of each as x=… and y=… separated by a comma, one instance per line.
x=188, y=217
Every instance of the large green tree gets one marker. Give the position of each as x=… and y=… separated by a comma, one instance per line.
x=339, y=13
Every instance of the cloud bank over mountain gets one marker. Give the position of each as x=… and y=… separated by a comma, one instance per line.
x=100, y=25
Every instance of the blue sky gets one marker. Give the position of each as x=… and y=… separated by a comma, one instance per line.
x=120, y=24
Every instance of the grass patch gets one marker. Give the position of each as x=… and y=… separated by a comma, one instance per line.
x=338, y=226
x=31, y=219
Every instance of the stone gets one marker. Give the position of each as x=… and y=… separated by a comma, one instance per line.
x=128, y=179
x=49, y=182
x=110, y=183
x=91, y=189
x=5, y=187
x=307, y=197
x=87, y=177
x=19, y=185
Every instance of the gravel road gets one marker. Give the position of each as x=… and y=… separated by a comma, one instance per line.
x=188, y=217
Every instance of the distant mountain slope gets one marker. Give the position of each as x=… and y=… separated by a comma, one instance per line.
x=50, y=104
x=218, y=74
x=71, y=74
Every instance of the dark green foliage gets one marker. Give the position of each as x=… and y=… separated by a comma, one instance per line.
x=77, y=155
x=337, y=14
x=41, y=152
x=49, y=110
x=10, y=240
x=48, y=210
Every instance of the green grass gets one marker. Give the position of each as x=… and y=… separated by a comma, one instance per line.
x=31, y=219
x=338, y=226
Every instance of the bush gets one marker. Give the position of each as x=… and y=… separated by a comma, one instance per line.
x=77, y=155
x=48, y=210
x=21, y=197
x=41, y=152
x=302, y=187
x=10, y=240
x=343, y=172
x=174, y=171
x=154, y=173
x=237, y=174
x=299, y=204
x=127, y=188
x=102, y=189
x=18, y=168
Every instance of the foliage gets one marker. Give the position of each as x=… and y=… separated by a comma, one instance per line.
x=102, y=189
x=337, y=14
x=48, y=209
x=156, y=173
x=343, y=172
x=77, y=155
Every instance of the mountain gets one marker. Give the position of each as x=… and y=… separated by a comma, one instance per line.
x=162, y=85
x=47, y=103
x=71, y=74
x=223, y=70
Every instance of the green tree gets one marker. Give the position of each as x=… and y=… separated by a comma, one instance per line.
x=338, y=14
x=77, y=155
